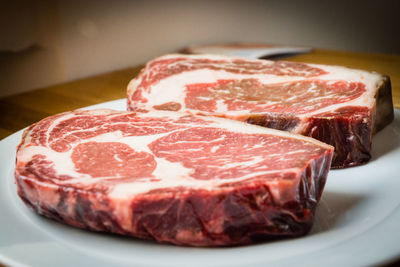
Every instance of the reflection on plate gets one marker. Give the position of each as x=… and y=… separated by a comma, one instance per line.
x=356, y=224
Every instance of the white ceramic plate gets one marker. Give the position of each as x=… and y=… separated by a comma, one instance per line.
x=357, y=224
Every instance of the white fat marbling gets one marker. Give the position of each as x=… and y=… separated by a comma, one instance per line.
x=167, y=174
x=172, y=88
x=61, y=162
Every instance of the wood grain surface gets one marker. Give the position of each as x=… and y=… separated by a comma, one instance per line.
x=19, y=111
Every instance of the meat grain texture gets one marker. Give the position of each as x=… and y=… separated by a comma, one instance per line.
x=336, y=105
x=171, y=177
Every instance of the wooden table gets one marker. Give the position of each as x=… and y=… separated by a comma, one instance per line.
x=19, y=111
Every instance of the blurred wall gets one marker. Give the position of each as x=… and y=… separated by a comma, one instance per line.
x=45, y=42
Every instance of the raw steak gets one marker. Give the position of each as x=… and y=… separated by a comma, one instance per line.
x=171, y=177
x=336, y=105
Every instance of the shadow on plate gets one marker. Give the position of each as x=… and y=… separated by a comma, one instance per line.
x=332, y=209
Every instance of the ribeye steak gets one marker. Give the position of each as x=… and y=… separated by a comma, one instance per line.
x=339, y=106
x=171, y=177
